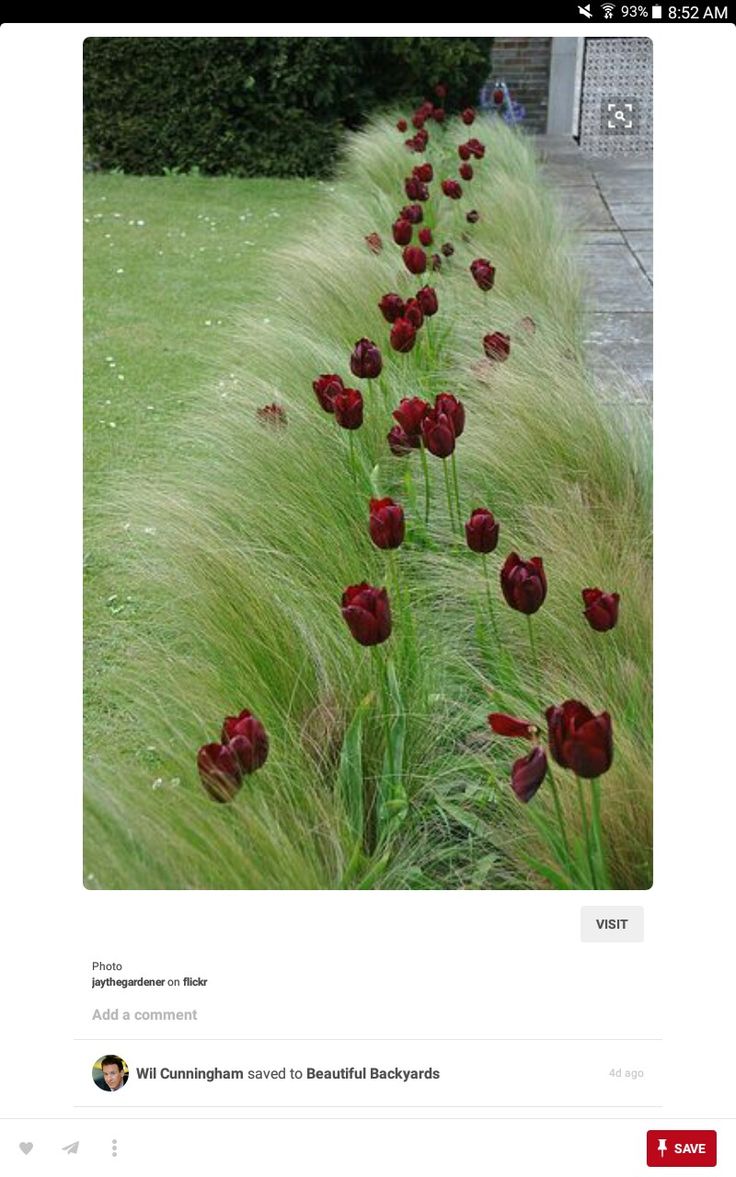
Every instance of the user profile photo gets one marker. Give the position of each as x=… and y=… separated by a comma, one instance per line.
x=110, y=1073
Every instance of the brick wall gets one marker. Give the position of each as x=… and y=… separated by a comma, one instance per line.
x=523, y=64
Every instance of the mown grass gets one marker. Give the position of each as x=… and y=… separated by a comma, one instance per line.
x=245, y=538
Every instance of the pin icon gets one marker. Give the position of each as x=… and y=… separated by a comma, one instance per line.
x=662, y=1146
x=25, y=1146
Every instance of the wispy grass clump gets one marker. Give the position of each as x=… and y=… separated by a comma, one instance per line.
x=258, y=531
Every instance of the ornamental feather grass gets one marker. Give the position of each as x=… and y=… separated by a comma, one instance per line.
x=258, y=531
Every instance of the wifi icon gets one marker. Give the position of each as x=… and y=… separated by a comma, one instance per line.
x=608, y=10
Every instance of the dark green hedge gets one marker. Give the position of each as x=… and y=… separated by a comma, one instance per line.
x=257, y=106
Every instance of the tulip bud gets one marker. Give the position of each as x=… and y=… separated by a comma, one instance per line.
x=410, y=414
x=402, y=125
x=509, y=725
x=427, y=299
x=523, y=583
x=367, y=613
x=415, y=259
x=418, y=120
x=476, y=148
x=374, y=243
x=400, y=443
x=348, y=406
x=415, y=189
x=464, y=151
x=528, y=773
x=219, y=771
x=401, y=231
x=497, y=346
x=481, y=531
x=438, y=114
x=272, y=414
x=391, y=307
x=436, y=261
x=601, y=609
x=366, y=362
x=247, y=737
x=498, y=96
x=448, y=249
x=424, y=172
x=414, y=313
x=403, y=335
x=386, y=523
x=326, y=389
x=425, y=236
x=438, y=434
x=446, y=403
x=466, y=171
x=412, y=213
x=580, y=740
x=441, y=90
x=452, y=189
x=483, y=272
x=468, y=116
x=472, y=216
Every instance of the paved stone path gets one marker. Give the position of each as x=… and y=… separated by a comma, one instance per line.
x=609, y=203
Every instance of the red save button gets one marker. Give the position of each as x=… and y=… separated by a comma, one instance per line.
x=674, y=1150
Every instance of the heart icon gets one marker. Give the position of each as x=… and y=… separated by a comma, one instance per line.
x=25, y=1146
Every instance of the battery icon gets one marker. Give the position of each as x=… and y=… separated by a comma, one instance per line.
x=656, y=12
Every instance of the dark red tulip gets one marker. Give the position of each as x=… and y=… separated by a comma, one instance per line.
x=438, y=434
x=468, y=116
x=425, y=236
x=426, y=108
x=349, y=408
x=527, y=774
x=414, y=313
x=601, y=609
x=436, y=261
x=402, y=125
x=326, y=389
x=498, y=96
x=509, y=725
x=418, y=119
x=415, y=189
x=476, y=148
x=466, y=171
x=391, y=307
x=367, y=613
x=580, y=740
x=441, y=90
x=452, y=189
x=483, y=272
x=464, y=151
x=403, y=335
x=421, y=139
x=438, y=114
x=219, y=771
x=427, y=299
x=497, y=346
x=366, y=362
x=272, y=414
x=472, y=216
x=448, y=249
x=410, y=414
x=415, y=259
x=424, y=172
x=446, y=403
x=412, y=213
x=523, y=583
x=401, y=231
x=374, y=243
x=247, y=737
x=481, y=531
x=386, y=523
x=400, y=443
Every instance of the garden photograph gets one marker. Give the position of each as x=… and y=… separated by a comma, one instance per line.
x=367, y=520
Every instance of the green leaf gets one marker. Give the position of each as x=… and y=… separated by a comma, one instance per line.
x=350, y=771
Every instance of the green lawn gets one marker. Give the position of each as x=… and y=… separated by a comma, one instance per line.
x=168, y=260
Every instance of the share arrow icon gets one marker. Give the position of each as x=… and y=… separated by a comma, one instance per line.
x=70, y=1148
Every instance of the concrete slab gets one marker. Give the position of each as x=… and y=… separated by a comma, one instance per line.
x=601, y=237
x=584, y=209
x=639, y=239
x=615, y=280
x=632, y=216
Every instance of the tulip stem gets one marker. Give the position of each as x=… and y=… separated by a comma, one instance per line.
x=535, y=662
x=385, y=697
x=425, y=470
x=560, y=817
x=457, y=493
x=586, y=832
x=595, y=797
x=489, y=598
x=352, y=457
x=449, y=494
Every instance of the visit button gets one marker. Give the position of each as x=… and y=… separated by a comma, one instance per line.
x=674, y=1150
